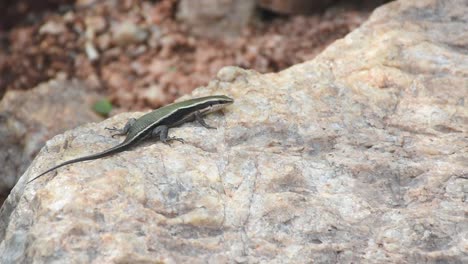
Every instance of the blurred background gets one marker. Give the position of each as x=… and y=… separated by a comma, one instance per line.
x=147, y=53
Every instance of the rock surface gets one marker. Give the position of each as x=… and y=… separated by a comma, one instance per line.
x=295, y=6
x=25, y=122
x=357, y=156
x=215, y=18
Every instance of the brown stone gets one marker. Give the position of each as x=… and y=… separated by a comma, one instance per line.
x=358, y=156
x=216, y=17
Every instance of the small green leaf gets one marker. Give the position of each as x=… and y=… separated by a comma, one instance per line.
x=103, y=107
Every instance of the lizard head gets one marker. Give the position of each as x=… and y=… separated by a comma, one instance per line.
x=215, y=103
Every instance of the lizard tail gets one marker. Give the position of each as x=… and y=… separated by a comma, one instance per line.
x=90, y=157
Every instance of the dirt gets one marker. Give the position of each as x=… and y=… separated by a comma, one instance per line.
x=140, y=56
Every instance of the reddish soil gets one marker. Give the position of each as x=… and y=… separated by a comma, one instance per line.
x=166, y=62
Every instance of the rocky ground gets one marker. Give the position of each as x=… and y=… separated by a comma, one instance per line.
x=357, y=156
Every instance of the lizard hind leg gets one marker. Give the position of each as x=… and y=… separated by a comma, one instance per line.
x=162, y=132
x=124, y=130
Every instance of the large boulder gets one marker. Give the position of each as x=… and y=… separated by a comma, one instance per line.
x=357, y=156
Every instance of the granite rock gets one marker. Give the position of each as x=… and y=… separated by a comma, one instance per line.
x=26, y=124
x=359, y=156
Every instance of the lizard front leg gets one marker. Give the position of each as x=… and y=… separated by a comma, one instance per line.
x=162, y=131
x=202, y=122
x=123, y=131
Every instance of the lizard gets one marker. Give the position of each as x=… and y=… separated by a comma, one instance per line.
x=156, y=123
